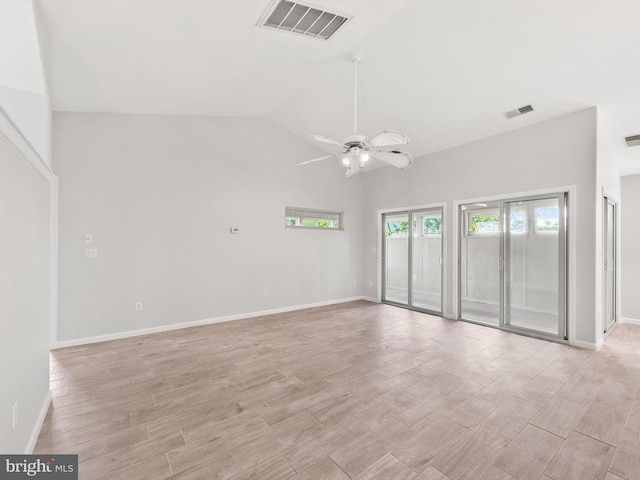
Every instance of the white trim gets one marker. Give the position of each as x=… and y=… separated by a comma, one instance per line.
x=632, y=321
x=35, y=433
x=23, y=145
x=197, y=323
x=587, y=345
x=53, y=261
x=371, y=299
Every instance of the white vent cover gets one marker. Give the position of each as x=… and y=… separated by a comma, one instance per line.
x=632, y=141
x=302, y=19
x=519, y=111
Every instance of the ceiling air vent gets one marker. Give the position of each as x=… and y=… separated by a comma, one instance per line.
x=632, y=141
x=519, y=111
x=302, y=19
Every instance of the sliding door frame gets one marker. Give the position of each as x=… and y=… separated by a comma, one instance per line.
x=410, y=211
x=613, y=305
x=505, y=244
x=570, y=255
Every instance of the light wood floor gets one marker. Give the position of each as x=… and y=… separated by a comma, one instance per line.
x=359, y=390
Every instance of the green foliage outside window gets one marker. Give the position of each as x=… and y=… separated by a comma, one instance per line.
x=395, y=229
x=484, y=224
x=432, y=226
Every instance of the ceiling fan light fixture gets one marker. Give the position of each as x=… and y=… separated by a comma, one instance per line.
x=357, y=149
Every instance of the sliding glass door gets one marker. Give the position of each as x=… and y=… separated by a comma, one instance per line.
x=480, y=262
x=534, y=260
x=513, y=264
x=412, y=259
x=396, y=259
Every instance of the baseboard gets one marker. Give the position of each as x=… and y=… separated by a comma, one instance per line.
x=371, y=299
x=633, y=321
x=587, y=345
x=197, y=323
x=31, y=444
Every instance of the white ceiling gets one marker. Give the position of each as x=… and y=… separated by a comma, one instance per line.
x=19, y=48
x=442, y=71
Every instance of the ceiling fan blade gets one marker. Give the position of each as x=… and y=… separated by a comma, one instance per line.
x=388, y=137
x=306, y=162
x=397, y=158
x=320, y=138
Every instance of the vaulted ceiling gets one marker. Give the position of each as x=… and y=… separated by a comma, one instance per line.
x=442, y=71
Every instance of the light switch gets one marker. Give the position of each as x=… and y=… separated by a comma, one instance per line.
x=88, y=238
x=235, y=230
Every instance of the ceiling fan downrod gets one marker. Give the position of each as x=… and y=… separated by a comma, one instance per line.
x=356, y=58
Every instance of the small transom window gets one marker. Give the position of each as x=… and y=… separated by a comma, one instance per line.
x=295, y=217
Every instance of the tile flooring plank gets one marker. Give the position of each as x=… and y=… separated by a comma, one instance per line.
x=469, y=458
x=580, y=458
x=511, y=417
x=325, y=469
x=420, y=449
x=529, y=454
x=603, y=423
x=387, y=468
x=626, y=459
x=366, y=449
x=559, y=416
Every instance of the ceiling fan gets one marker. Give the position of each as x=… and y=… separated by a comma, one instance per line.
x=357, y=149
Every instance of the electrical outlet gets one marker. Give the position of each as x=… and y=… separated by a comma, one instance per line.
x=138, y=306
x=265, y=292
x=90, y=252
x=14, y=416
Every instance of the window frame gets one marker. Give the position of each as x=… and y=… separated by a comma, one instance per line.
x=334, y=218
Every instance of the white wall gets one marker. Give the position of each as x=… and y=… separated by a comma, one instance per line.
x=24, y=56
x=31, y=113
x=630, y=252
x=159, y=195
x=24, y=297
x=26, y=190
x=554, y=153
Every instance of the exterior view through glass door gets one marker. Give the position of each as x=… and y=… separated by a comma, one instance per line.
x=480, y=262
x=412, y=259
x=513, y=264
x=609, y=249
